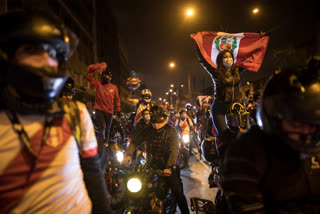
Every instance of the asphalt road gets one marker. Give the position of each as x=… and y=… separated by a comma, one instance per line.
x=195, y=181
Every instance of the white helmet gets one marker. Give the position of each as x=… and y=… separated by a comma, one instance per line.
x=146, y=95
x=188, y=104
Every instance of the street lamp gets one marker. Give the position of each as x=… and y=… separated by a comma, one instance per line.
x=182, y=86
x=255, y=10
x=189, y=12
x=170, y=90
x=167, y=93
x=160, y=98
x=171, y=85
x=172, y=65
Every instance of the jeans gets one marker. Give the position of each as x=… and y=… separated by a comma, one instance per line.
x=176, y=185
x=104, y=121
x=218, y=113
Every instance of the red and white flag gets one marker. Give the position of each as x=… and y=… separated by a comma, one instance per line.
x=248, y=48
x=204, y=99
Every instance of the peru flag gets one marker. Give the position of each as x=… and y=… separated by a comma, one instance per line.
x=248, y=48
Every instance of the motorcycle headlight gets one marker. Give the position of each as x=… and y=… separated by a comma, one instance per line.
x=134, y=185
x=186, y=138
x=119, y=156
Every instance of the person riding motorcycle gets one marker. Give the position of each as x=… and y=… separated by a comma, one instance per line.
x=47, y=145
x=162, y=150
x=184, y=124
x=274, y=167
x=144, y=121
x=191, y=114
x=143, y=103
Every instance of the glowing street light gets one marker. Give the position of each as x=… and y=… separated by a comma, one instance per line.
x=172, y=65
x=164, y=100
x=190, y=12
x=170, y=90
x=171, y=85
x=167, y=93
x=160, y=98
x=255, y=10
x=182, y=86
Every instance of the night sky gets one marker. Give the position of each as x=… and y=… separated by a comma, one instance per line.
x=155, y=32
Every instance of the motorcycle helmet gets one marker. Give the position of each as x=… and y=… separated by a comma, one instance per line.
x=146, y=95
x=34, y=31
x=188, y=106
x=69, y=88
x=159, y=114
x=292, y=95
x=208, y=149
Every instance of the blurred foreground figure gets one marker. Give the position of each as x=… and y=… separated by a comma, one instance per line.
x=44, y=141
x=275, y=168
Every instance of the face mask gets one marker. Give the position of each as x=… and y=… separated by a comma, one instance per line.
x=146, y=117
x=227, y=62
x=147, y=100
x=105, y=79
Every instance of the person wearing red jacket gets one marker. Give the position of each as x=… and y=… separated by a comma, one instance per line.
x=106, y=97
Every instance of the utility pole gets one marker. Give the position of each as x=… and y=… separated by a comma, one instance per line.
x=189, y=85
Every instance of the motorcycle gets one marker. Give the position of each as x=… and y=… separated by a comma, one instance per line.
x=147, y=194
x=184, y=153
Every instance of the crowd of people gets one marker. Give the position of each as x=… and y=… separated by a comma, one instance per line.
x=53, y=159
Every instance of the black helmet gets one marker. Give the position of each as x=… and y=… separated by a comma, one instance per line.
x=68, y=87
x=158, y=114
x=208, y=149
x=294, y=95
x=34, y=30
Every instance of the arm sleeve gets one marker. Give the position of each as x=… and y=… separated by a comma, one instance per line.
x=117, y=99
x=90, y=165
x=191, y=123
x=172, y=140
x=211, y=70
x=243, y=169
x=91, y=79
x=131, y=100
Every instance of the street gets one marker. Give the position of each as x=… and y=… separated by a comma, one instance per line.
x=195, y=180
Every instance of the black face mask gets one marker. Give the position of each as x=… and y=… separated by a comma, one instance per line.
x=105, y=79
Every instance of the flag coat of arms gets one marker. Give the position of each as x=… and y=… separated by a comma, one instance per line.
x=248, y=48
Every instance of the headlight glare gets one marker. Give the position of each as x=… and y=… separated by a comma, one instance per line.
x=134, y=185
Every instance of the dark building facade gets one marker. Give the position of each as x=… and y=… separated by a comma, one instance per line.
x=94, y=24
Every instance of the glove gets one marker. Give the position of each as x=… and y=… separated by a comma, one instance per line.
x=167, y=172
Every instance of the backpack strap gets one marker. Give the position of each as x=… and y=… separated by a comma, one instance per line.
x=73, y=118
